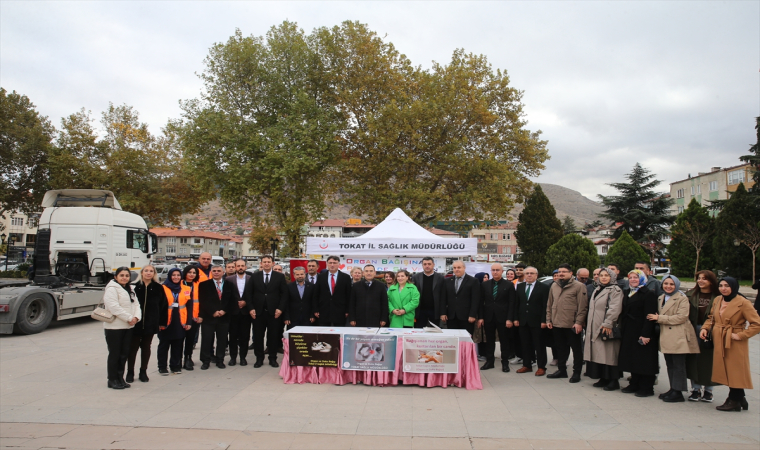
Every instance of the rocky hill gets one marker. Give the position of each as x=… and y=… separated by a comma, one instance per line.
x=566, y=201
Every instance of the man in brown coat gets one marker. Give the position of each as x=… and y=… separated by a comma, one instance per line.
x=566, y=312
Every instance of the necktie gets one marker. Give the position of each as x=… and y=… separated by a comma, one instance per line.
x=527, y=291
x=312, y=280
x=495, y=289
x=266, y=278
x=368, y=284
x=459, y=283
x=219, y=290
x=332, y=283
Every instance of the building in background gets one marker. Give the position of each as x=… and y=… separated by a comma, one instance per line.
x=717, y=184
x=181, y=244
x=496, y=243
x=20, y=233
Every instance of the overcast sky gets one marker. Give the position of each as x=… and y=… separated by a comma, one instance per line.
x=672, y=85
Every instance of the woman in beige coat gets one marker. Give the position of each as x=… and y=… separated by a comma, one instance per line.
x=601, y=354
x=677, y=336
x=730, y=312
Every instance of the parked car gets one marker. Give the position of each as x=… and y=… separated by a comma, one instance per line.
x=661, y=271
x=164, y=272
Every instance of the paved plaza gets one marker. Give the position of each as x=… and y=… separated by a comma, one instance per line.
x=53, y=395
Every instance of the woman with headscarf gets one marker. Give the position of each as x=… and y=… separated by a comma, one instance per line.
x=727, y=321
x=119, y=300
x=190, y=279
x=149, y=294
x=677, y=337
x=173, y=322
x=638, y=346
x=601, y=351
x=699, y=365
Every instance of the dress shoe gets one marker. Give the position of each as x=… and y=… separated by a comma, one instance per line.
x=243, y=362
x=558, y=374
x=613, y=385
x=205, y=366
x=540, y=372
x=730, y=405
x=258, y=363
x=232, y=362
x=130, y=376
x=601, y=383
x=163, y=372
x=674, y=397
x=144, y=376
x=250, y=347
x=220, y=365
x=113, y=384
x=576, y=378
x=644, y=393
x=273, y=363
x=487, y=365
x=177, y=371
x=188, y=364
x=665, y=394
x=630, y=389
x=125, y=384
x=524, y=369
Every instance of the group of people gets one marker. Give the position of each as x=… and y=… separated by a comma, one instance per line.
x=612, y=323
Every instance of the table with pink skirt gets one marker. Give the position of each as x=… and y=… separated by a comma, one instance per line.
x=468, y=375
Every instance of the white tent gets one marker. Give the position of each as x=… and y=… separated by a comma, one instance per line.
x=396, y=235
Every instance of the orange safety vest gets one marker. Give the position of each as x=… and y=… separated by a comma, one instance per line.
x=194, y=289
x=202, y=275
x=182, y=299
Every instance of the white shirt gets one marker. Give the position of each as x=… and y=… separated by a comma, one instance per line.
x=529, y=285
x=312, y=279
x=241, y=284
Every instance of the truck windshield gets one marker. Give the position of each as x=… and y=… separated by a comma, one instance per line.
x=137, y=240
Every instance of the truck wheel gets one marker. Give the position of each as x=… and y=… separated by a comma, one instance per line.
x=35, y=314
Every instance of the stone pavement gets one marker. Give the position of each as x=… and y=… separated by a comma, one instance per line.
x=53, y=395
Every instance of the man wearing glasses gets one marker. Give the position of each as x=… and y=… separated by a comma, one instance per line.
x=566, y=312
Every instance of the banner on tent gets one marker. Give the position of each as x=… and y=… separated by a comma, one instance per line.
x=401, y=246
x=389, y=263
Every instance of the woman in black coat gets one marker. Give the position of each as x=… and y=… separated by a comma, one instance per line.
x=638, y=344
x=150, y=294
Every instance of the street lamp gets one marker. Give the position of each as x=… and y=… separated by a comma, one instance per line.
x=274, y=242
x=739, y=264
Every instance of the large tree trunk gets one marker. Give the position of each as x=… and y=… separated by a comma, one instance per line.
x=696, y=265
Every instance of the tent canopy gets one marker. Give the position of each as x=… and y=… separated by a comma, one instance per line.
x=397, y=235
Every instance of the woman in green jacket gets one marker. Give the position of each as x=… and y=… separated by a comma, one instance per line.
x=403, y=299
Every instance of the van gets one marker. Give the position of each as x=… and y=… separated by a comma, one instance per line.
x=217, y=261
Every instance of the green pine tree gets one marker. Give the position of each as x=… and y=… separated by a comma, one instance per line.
x=539, y=229
x=690, y=249
x=569, y=225
x=737, y=237
x=625, y=252
x=639, y=210
x=574, y=250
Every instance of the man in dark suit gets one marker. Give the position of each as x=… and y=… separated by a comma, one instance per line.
x=498, y=297
x=529, y=316
x=331, y=297
x=429, y=283
x=240, y=320
x=266, y=297
x=215, y=303
x=300, y=292
x=368, y=306
x=460, y=300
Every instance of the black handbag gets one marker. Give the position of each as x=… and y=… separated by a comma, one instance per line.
x=617, y=330
x=707, y=343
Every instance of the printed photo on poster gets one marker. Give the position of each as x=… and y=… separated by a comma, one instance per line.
x=314, y=349
x=424, y=354
x=369, y=352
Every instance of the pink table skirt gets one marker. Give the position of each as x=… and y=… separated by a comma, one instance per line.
x=468, y=376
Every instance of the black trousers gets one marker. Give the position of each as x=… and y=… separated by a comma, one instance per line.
x=240, y=333
x=643, y=383
x=211, y=328
x=175, y=362
x=564, y=340
x=266, y=323
x=141, y=343
x=422, y=316
x=118, y=342
x=532, y=340
x=515, y=343
x=491, y=328
x=191, y=337
x=735, y=394
x=458, y=324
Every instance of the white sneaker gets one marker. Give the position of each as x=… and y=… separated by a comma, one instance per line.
x=516, y=361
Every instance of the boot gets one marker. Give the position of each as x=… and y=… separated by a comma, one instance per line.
x=730, y=405
x=188, y=363
x=613, y=385
x=144, y=376
x=576, y=378
x=674, y=397
x=745, y=405
x=665, y=394
x=488, y=364
x=130, y=376
x=601, y=383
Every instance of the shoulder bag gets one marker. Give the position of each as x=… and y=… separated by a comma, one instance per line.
x=707, y=343
x=101, y=314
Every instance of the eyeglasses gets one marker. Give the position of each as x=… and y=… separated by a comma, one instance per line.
x=583, y=278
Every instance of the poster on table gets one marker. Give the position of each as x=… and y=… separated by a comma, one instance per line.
x=430, y=354
x=314, y=349
x=369, y=352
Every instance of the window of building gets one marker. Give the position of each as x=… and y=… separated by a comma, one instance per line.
x=680, y=209
x=692, y=190
x=196, y=240
x=604, y=249
x=30, y=240
x=171, y=249
x=735, y=177
x=713, y=186
x=332, y=235
x=699, y=189
x=17, y=221
x=171, y=240
x=680, y=193
x=494, y=236
x=183, y=240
